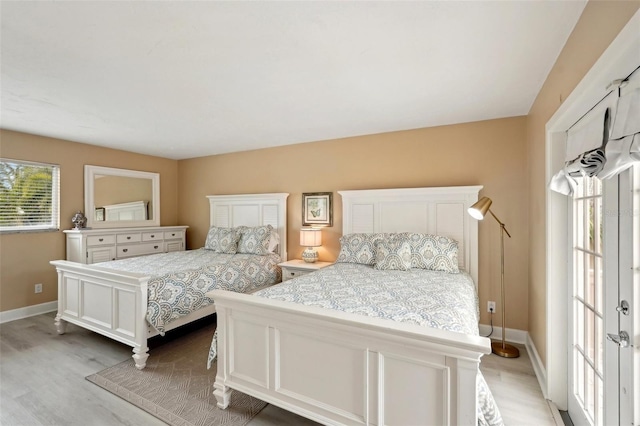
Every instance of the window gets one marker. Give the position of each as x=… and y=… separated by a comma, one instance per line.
x=29, y=196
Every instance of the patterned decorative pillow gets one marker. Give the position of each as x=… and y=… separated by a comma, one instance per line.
x=358, y=248
x=222, y=240
x=433, y=252
x=393, y=253
x=254, y=240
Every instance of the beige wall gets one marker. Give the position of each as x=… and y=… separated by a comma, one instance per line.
x=599, y=24
x=24, y=257
x=489, y=153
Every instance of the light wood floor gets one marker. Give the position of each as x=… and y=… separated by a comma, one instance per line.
x=42, y=382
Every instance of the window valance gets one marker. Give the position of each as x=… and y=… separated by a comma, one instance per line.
x=606, y=140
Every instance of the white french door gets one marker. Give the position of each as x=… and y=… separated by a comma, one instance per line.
x=604, y=265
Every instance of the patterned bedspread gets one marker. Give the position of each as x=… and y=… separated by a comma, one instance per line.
x=181, y=279
x=430, y=298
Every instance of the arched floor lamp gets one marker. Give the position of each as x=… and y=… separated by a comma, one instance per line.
x=478, y=211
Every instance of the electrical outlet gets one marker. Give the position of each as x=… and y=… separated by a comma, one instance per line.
x=38, y=288
x=491, y=306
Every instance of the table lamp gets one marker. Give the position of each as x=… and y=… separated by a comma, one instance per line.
x=310, y=238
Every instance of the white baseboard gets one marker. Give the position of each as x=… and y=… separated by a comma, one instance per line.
x=29, y=311
x=538, y=367
x=522, y=337
x=513, y=335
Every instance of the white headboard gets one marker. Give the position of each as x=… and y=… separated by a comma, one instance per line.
x=227, y=211
x=437, y=210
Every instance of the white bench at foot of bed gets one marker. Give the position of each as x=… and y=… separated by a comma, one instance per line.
x=112, y=303
x=340, y=368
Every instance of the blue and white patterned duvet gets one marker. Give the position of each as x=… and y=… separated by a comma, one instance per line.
x=429, y=298
x=179, y=280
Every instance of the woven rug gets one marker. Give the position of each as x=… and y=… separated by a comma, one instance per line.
x=176, y=386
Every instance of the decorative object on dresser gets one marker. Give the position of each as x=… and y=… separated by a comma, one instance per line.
x=101, y=245
x=478, y=212
x=310, y=238
x=374, y=370
x=99, y=214
x=317, y=209
x=79, y=220
x=125, y=300
x=295, y=268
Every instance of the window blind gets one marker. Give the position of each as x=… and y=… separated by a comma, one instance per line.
x=606, y=140
x=29, y=196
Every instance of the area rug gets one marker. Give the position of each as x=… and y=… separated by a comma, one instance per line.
x=176, y=386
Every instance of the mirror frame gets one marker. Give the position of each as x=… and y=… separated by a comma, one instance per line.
x=89, y=205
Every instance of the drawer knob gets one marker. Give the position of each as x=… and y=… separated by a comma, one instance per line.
x=153, y=236
x=101, y=239
x=173, y=235
x=155, y=247
x=125, y=250
x=128, y=238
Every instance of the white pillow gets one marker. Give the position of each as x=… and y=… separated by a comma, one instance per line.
x=273, y=241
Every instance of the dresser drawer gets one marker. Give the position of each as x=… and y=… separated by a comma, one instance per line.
x=173, y=235
x=129, y=238
x=173, y=246
x=100, y=240
x=288, y=274
x=139, y=249
x=152, y=236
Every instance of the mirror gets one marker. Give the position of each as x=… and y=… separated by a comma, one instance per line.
x=119, y=198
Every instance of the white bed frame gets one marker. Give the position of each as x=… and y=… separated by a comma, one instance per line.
x=341, y=368
x=114, y=303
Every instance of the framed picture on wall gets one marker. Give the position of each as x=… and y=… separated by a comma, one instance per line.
x=99, y=214
x=317, y=209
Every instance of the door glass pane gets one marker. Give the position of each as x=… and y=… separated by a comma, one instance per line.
x=590, y=394
x=589, y=334
x=599, y=226
x=591, y=223
x=600, y=345
x=579, y=325
x=579, y=376
x=590, y=285
x=579, y=265
x=600, y=399
x=579, y=224
x=598, y=287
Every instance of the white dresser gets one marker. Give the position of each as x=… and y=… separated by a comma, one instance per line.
x=101, y=245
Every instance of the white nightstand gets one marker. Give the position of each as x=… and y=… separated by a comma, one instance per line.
x=295, y=268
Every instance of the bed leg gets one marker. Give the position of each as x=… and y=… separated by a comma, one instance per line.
x=140, y=357
x=222, y=394
x=61, y=325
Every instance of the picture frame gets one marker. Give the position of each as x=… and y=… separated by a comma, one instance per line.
x=99, y=214
x=317, y=209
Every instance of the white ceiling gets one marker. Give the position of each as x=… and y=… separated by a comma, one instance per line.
x=188, y=79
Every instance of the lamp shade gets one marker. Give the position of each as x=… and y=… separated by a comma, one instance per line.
x=310, y=237
x=480, y=208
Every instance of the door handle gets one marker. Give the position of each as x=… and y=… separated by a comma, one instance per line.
x=621, y=339
x=624, y=307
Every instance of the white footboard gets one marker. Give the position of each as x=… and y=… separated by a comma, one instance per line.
x=112, y=303
x=339, y=368
x=108, y=302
